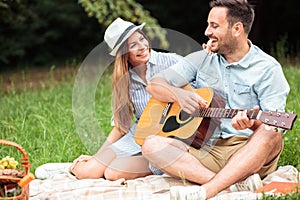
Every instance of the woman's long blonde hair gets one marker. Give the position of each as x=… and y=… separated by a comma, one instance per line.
x=122, y=104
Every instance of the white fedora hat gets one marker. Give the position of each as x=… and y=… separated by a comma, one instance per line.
x=117, y=32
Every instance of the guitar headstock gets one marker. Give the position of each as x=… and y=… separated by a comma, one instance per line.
x=278, y=119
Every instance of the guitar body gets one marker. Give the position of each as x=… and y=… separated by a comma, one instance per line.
x=168, y=120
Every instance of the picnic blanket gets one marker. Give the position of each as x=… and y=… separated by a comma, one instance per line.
x=156, y=187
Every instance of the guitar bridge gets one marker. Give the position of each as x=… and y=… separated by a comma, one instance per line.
x=165, y=112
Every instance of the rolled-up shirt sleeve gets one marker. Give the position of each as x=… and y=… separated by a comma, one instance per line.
x=183, y=72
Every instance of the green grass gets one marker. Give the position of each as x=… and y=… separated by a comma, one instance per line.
x=291, y=196
x=291, y=151
x=42, y=123
x=39, y=117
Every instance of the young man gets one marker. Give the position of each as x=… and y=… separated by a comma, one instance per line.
x=247, y=78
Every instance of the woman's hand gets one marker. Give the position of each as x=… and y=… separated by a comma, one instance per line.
x=82, y=158
x=207, y=46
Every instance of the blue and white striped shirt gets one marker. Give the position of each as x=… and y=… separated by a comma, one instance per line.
x=158, y=62
x=126, y=145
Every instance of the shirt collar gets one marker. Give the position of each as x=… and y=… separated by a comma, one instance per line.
x=153, y=55
x=246, y=60
x=152, y=60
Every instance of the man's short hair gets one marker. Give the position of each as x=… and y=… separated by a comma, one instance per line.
x=237, y=11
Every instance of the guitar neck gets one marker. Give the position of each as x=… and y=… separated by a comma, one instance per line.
x=223, y=113
x=273, y=118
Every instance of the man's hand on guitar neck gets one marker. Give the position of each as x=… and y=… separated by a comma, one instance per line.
x=241, y=121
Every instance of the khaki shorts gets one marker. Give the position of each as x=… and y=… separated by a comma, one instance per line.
x=215, y=157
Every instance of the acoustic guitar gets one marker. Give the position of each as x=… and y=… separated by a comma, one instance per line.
x=169, y=120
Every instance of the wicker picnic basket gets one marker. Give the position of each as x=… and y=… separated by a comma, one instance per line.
x=10, y=177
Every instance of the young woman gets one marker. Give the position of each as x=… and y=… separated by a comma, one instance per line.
x=135, y=64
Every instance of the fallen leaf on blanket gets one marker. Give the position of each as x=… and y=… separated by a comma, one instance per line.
x=161, y=191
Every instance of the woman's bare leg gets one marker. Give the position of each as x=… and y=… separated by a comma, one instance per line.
x=127, y=167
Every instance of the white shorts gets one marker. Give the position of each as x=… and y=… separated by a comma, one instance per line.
x=126, y=146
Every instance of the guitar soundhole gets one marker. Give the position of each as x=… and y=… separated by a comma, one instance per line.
x=170, y=125
x=183, y=116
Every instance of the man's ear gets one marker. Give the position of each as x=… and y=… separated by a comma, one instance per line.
x=237, y=29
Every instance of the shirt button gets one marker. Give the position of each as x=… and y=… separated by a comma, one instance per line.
x=227, y=67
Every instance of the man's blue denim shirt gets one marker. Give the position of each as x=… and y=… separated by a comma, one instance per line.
x=257, y=79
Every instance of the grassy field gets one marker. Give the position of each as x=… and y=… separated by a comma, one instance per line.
x=36, y=112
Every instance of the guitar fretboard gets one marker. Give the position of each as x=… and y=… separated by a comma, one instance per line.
x=222, y=113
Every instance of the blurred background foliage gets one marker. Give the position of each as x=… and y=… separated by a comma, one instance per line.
x=48, y=32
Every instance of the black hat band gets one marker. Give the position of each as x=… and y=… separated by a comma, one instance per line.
x=124, y=34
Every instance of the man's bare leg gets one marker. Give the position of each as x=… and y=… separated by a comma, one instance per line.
x=172, y=158
x=263, y=146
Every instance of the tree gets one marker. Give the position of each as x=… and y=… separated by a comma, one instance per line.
x=15, y=20
x=43, y=32
x=108, y=10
